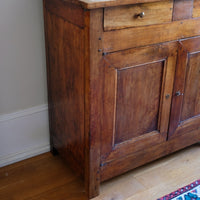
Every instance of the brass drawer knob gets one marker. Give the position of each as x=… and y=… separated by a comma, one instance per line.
x=141, y=15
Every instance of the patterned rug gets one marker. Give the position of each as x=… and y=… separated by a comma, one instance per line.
x=189, y=192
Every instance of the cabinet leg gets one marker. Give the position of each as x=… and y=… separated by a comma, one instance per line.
x=54, y=151
x=93, y=191
x=92, y=183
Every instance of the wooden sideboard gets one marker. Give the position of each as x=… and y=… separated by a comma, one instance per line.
x=123, y=82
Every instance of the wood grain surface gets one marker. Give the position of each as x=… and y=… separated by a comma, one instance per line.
x=182, y=9
x=48, y=177
x=93, y=4
x=142, y=36
x=124, y=164
x=66, y=87
x=133, y=85
x=185, y=107
x=196, y=8
x=93, y=103
x=128, y=16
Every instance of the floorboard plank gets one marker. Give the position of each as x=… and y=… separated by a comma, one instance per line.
x=46, y=177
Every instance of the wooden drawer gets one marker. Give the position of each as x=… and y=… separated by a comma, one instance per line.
x=137, y=15
x=196, y=8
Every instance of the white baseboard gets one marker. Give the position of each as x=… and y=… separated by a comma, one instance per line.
x=23, y=134
x=15, y=157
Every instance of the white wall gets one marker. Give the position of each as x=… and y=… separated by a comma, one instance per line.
x=22, y=80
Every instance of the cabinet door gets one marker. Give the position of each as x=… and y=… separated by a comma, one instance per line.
x=185, y=112
x=136, y=99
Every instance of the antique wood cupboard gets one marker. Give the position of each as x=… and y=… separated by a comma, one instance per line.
x=123, y=82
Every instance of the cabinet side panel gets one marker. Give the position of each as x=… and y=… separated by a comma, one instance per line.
x=65, y=43
x=66, y=10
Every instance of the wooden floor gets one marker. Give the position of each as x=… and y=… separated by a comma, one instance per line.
x=47, y=178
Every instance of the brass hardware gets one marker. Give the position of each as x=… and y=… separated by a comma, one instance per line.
x=141, y=15
x=178, y=93
x=167, y=96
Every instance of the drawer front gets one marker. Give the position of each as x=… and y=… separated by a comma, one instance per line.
x=137, y=15
x=196, y=8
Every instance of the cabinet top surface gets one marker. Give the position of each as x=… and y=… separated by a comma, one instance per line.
x=92, y=4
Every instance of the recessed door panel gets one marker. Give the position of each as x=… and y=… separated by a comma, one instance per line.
x=191, y=99
x=138, y=100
